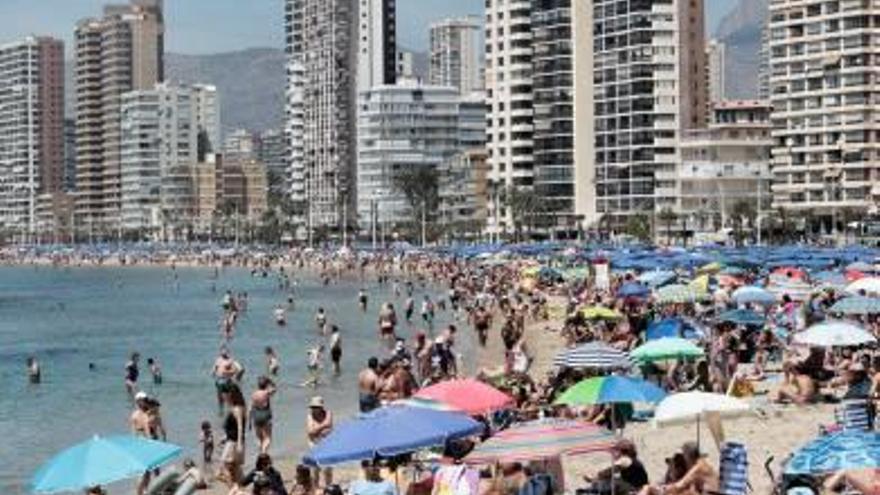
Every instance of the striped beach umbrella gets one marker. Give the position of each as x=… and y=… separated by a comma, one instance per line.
x=543, y=439
x=857, y=305
x=594, y=355
x=679, y=294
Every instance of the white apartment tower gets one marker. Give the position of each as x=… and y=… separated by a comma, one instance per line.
x=31, y=128
x=456, y=54
x=294, y=128
x=509, y=126
x=377, y=43
x=207, y=103
x=159, y=153
x=823, y=85
x=716, y=59
x=650, y=84
x=323, y=51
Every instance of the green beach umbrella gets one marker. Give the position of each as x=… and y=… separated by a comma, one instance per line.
x=611, y=390
x=665, y=349
x=678, y=294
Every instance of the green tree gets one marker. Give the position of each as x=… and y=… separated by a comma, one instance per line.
x=743, y=212
x=526, y=208
x=638, y=226
x=420, y=186
x=668, y=217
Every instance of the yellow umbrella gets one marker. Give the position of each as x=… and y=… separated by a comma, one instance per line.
x=711, y=268
x=600, y=313
x=700, y=284
x=530, y=271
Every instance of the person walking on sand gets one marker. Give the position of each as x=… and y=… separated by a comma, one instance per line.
x=261, y=412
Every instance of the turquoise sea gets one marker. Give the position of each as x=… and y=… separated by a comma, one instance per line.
x=70, y=317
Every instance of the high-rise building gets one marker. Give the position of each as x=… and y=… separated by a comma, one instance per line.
x=650, y=84
x=716, y=58
x=456, y=54
x=31, y=128
x=294, y=125
x=509, y=126
x=207, y=109
x=406, y=65
x=824, y=96
x=562, y=114
x=764, y=64
x=322, y=47
x=69, y=155
x=273, y=154
x=159, y=152
x=377, y=43
x=120, y=52
x=241, y=143
x=403, y=127
x=464, y=194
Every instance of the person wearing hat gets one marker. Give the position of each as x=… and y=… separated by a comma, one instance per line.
x=319, y=424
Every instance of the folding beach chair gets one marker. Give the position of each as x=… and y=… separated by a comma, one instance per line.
x=734, y=470
x=853, y=415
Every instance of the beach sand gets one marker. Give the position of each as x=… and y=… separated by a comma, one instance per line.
x=777, y=433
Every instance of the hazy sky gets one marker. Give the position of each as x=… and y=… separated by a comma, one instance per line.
x=207, y=26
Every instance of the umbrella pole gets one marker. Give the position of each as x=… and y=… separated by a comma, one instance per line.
x=698, y=432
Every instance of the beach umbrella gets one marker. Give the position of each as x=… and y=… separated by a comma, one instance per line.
x=656, y=278
x=857, y=305
x=796, y=290
x=860, y=266
x=593, y=355
x=832, y=280
x=611, y=390
x=790, y=272
x=844, y=451
x=100, y=461
x=543, y=439
x=834, y=334
x=710, y=268
x=753, y=295
x=424, y=403
x=869, y=285
x=667, y=327
x=468, y=395
x=632, y=289
x=677, y=294
x=745, y=317
x=665, y=349
x=600, y=313
x=388, y=432
x=689, y=407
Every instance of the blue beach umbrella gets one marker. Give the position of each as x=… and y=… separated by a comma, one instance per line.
x=390, y=431
x=845, y=451
x=756, y=295
x=857, y=305
x=668, y=327
x=745, y=317
x=632, y=289
x=101, y=461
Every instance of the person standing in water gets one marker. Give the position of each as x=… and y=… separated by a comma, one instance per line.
x=155, y=370
x=280, y=316
x=272, y=363
x=321, y=321
x=335, y=349
x=225, y=372
x=368, y=386
x=261, y=412
x=131, y=374
x=362, y=300
x=33, y=370
x=315, y=355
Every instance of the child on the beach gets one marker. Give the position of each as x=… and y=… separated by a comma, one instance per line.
x=315, y=356
x=206, y=438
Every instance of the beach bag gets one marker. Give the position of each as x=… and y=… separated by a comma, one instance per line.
x=734, y=469
x=852, y=415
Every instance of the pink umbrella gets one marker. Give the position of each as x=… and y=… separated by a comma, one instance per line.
x=468, y=395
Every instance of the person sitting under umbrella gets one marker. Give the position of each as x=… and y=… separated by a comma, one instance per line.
x=701, y=477
x=866, y=482
x=632, y=474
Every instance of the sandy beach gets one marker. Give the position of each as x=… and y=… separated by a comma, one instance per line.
x=776, y=432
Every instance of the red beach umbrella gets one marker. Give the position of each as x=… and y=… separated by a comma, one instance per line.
x=468, y=395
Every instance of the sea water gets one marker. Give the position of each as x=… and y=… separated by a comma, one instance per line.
x=70, y=317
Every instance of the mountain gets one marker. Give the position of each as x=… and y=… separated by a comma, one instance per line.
x=740, y=30
x=250, y=82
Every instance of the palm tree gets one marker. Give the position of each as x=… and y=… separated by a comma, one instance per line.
x=668, y=217
x=638, y=226
x=743, y=211
x=525, y=206
x=421, y=188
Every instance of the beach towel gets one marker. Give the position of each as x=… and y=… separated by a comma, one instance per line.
x=734, y=470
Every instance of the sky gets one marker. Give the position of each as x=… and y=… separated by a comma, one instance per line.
x=212, y=26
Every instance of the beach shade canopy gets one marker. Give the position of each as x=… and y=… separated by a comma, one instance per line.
x=600, y=313
x=834, y=334
x=632, y=289
x=857, y=305
x=753, y=295
x=691, y=406
x=745, y=317
x=100, y=461
x=679, y=294
x=593, y=355
x=388, y=432
x=467, y=395
x=665, y=349
x=543, y=439
x=868, y=285
x=844, y=451
x=611, y=390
